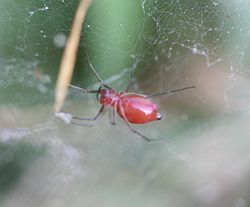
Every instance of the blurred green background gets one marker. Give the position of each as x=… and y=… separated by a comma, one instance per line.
x=204, y=158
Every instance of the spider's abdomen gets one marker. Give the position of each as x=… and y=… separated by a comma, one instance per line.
x=137, y=109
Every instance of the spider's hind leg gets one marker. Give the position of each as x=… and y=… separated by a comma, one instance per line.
x=140, y=134
x=132, y=129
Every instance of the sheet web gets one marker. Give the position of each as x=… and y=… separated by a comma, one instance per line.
x=154, y=38
x=148, y=37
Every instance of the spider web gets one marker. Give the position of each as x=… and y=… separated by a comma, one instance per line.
x=157, y=36
x=166, y=45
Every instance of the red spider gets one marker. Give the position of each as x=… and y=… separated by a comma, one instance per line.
x=133, y=108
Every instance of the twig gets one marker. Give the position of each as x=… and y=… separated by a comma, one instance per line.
x=69, y=56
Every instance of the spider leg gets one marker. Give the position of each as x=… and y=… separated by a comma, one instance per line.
x=170, y=92
x=87, y=119
x=130, y=79
x=80, y=124
x=139, y=133
x=132, y=129
x=112, y=116
x=83, y=90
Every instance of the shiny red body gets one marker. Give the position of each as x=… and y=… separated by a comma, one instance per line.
x=132, y=107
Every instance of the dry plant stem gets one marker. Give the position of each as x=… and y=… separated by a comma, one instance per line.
x=69, y=55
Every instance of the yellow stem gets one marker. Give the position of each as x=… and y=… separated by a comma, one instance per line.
x=69, y=56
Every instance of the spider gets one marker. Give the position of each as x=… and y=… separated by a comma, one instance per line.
x=133, y=108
